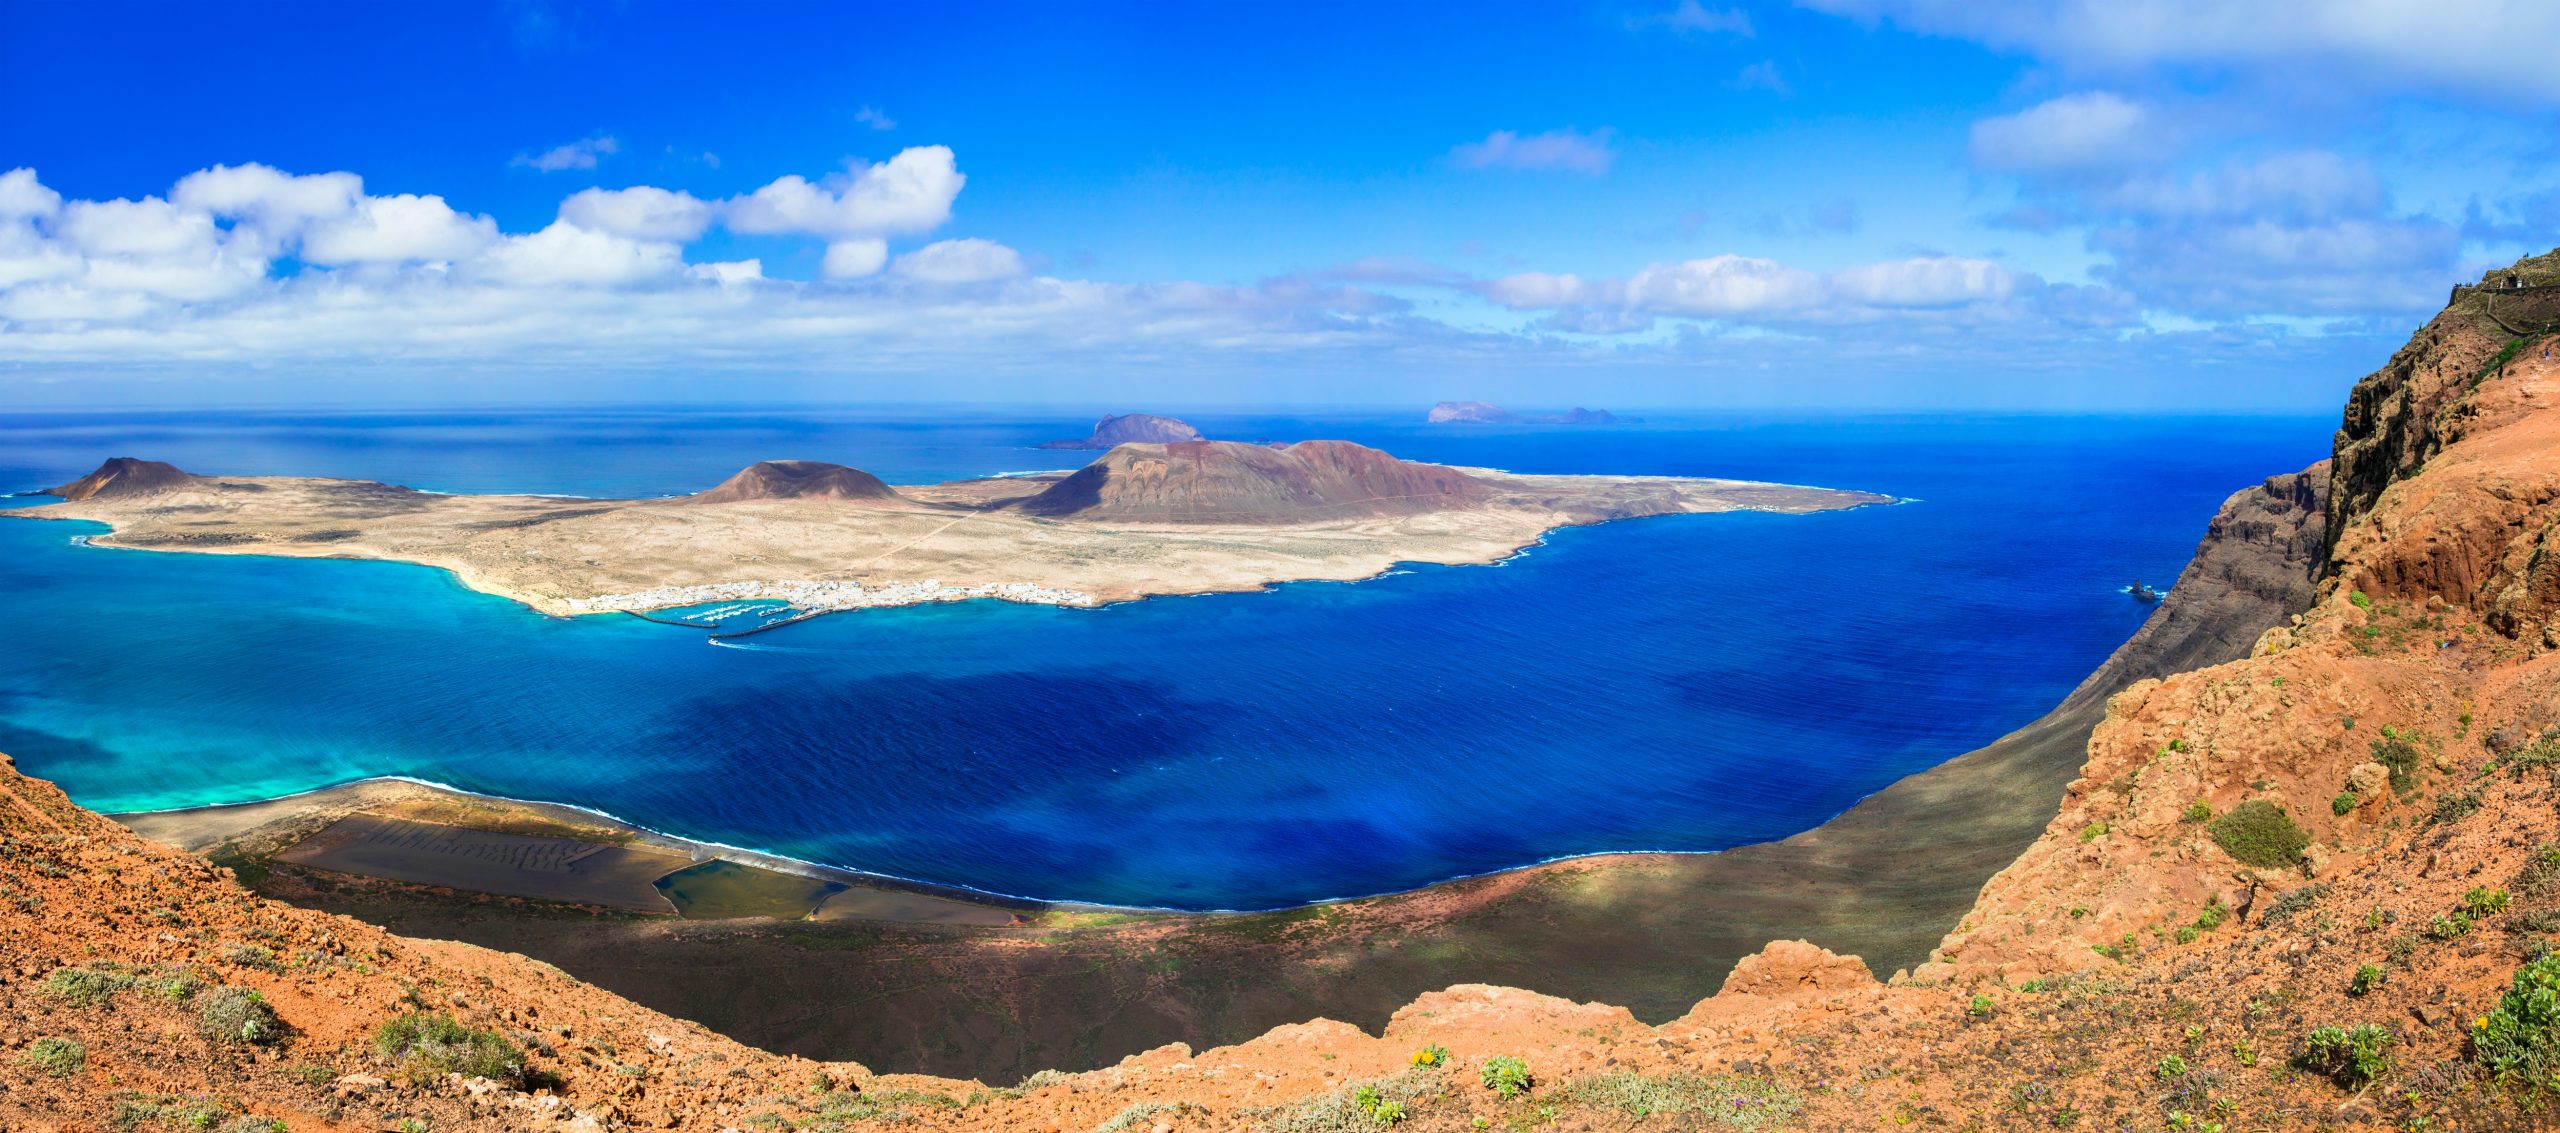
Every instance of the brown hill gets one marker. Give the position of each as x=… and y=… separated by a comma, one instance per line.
x=1133, y=428
x=797, y=480
x=124, y=476
x=1232, y=482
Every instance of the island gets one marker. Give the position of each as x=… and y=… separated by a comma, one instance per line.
x=1142, y=520
x=1486, y=413
x=1127, y=428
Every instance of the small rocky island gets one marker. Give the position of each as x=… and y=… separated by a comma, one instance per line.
x=1143, y=519
x=1486, y=413
x=1132, y=428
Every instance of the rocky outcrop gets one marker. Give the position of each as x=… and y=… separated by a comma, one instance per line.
x=1231, y=482
x=798, y=480
x=1133, y=428
x=124, y=476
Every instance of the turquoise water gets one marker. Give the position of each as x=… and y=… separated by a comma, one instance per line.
x=1685, y=683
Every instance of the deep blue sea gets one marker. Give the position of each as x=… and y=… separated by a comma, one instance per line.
x=1686, y=683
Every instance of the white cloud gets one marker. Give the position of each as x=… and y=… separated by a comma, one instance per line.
x=402, y=228
x=728, y=272
x=1924, y=281
x=1540, y=289
x=2495, y=47
x=1567, y=149
x=567, y=255
x=968, y=260
x=2076, y=132
x=1722, y=285
x=909, y=193
x=1692, y=17
x=853, y=259
x=23, y=197
x=872, y=117
x=143, y=228
x=581, y=154
x=642, y=212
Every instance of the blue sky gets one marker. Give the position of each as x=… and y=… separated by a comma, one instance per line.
x=1853, y=204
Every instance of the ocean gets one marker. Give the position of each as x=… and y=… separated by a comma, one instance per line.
x=1685, y=683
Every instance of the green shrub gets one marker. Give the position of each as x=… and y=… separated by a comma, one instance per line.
x=238, y=1015
x=2093, y=831
x=2358, y=599
x=2447, y=926
x=2398, y=753
x=58, y=1058
x=2214, y=915
x=1729, y=1101
x=2456, y=806
x=2198, y=811
x=86, y=987
x=1506, y=1076
x=2171, y=1068
x=428, y=1045
x=2259, y=833
x=2292, y=901
x=2367, y=977
x=1981, y=1007
x=2343, y=803
x=2484, y=902
x=2518, y=1042
x=1382, y=1110
x=2540, y=870
x=1354, y=1108
x=2349, y=1056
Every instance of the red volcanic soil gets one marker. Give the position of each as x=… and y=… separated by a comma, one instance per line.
x=1231, y=482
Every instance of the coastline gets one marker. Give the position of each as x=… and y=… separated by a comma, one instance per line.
x=266, y=828
x=949, y=542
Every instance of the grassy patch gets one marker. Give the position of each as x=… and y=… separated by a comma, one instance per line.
x=1353, y=1108
x=87, y=987
x=238, y=1015
x=1730, y=1101
x=56, y=1058
x=2292, y=901
x=2259, y=833
x=425, y=1046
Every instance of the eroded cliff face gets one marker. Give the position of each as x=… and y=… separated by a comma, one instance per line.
x=2150, y=960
